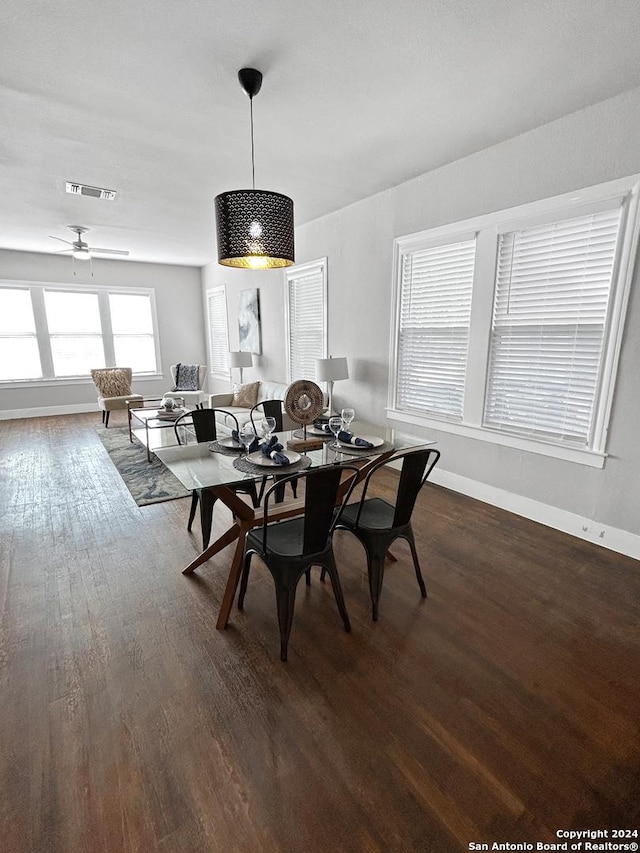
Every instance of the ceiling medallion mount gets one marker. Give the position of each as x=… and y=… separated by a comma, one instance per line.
x=254, y=227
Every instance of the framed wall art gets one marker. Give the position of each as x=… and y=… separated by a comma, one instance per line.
x=249, y=321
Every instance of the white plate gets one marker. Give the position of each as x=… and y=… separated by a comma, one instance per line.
x=311, y=430
x=229, y=442
x=377, y=442
x=259, y=459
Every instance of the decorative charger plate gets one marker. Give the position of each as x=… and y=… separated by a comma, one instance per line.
x=303, y=401
x=231, y=449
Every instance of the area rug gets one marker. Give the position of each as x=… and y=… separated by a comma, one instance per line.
x=148, y=482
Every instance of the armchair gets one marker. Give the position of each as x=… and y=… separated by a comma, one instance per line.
x=188, y=383
x=114, y=389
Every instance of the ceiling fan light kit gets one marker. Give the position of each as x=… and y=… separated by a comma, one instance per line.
x=81, y=251
x=255, y=228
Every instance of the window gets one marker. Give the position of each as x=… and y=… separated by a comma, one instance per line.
x=433, y=333
x=75, y=333
x=132, y=327
x=552, y=294
x=507, y=327
x=50, y=332
x=218, y=332
x=306, y=302
x=19, y=354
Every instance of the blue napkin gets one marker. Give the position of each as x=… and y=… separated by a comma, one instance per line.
x=272, y=450
x=349, y=438
x=255, y=444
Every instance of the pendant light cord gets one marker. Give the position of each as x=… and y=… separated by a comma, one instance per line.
x=253, y=162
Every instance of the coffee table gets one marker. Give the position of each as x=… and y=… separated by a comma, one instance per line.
x=150, y=429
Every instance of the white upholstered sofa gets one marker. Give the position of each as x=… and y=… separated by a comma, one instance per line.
x=266, y=391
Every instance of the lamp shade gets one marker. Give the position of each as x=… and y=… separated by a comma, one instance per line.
x=254, y=229
x=331, y=369
x=240, y=359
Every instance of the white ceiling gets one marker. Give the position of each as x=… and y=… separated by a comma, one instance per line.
x=141, y=96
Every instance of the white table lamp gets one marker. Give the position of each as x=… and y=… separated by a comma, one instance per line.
x=240, y=360
x=331, y=370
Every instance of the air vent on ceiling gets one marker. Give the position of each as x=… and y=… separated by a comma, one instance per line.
x=94, y=192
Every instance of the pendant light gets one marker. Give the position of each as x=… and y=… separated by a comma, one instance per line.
x=254, y=227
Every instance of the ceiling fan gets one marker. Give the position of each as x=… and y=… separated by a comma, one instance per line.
x=80, y=250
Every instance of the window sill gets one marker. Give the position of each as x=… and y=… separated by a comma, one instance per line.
x=590, y=458
x=67, y=380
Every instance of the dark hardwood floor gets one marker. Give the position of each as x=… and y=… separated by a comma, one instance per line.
x=503, y=708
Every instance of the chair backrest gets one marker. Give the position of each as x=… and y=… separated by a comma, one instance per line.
x=416, y=467
x=267, y=409
x=115, y=381
x=322, y=487
x=204, y=424
x=202, y=375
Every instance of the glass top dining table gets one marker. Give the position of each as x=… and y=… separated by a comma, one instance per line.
x=198, y=467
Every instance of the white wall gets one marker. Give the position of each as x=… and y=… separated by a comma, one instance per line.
x=271, y=364
x=586, y=148
x=180, y=313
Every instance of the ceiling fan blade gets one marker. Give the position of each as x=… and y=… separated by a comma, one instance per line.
x=108, y=251
x=61, y=240
x=63, y=252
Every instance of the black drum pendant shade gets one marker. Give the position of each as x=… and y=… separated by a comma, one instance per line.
x=254, y=227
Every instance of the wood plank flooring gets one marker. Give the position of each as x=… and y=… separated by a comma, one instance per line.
x=503, y=708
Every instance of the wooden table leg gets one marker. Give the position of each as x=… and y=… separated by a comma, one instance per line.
x=227, y=538
x=243, y=520
x=233, y=580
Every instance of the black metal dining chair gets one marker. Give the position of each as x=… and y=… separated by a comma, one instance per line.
x=290, y=548
x=271, y=409
x=267, y=409
x=205, y=428
x=377, y=523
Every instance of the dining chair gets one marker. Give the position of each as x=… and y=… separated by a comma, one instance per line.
x=271, y=409
x=377, y=523
x=203, y=422
x=267, y=409
x=290, y=548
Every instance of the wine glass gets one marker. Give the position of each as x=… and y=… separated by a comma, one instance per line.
x=247, y=436
x=335, y=425
x=268, y=426
x=347, y=416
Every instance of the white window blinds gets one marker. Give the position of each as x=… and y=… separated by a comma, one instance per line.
x=552, y=292
x=218, y=332
x=433, y=330
x=307, y=326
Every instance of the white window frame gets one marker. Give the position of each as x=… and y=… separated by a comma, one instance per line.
x=290, y=274
x=37, y=289
x=487, y=229
x=225, y=373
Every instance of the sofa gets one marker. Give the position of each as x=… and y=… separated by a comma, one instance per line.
x=266, y=391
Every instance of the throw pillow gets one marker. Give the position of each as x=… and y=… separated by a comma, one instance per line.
x=112, y=382
x=187, y=377
x=246, y=396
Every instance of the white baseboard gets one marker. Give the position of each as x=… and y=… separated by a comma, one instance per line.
x=49, y=411
x=613, y=538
